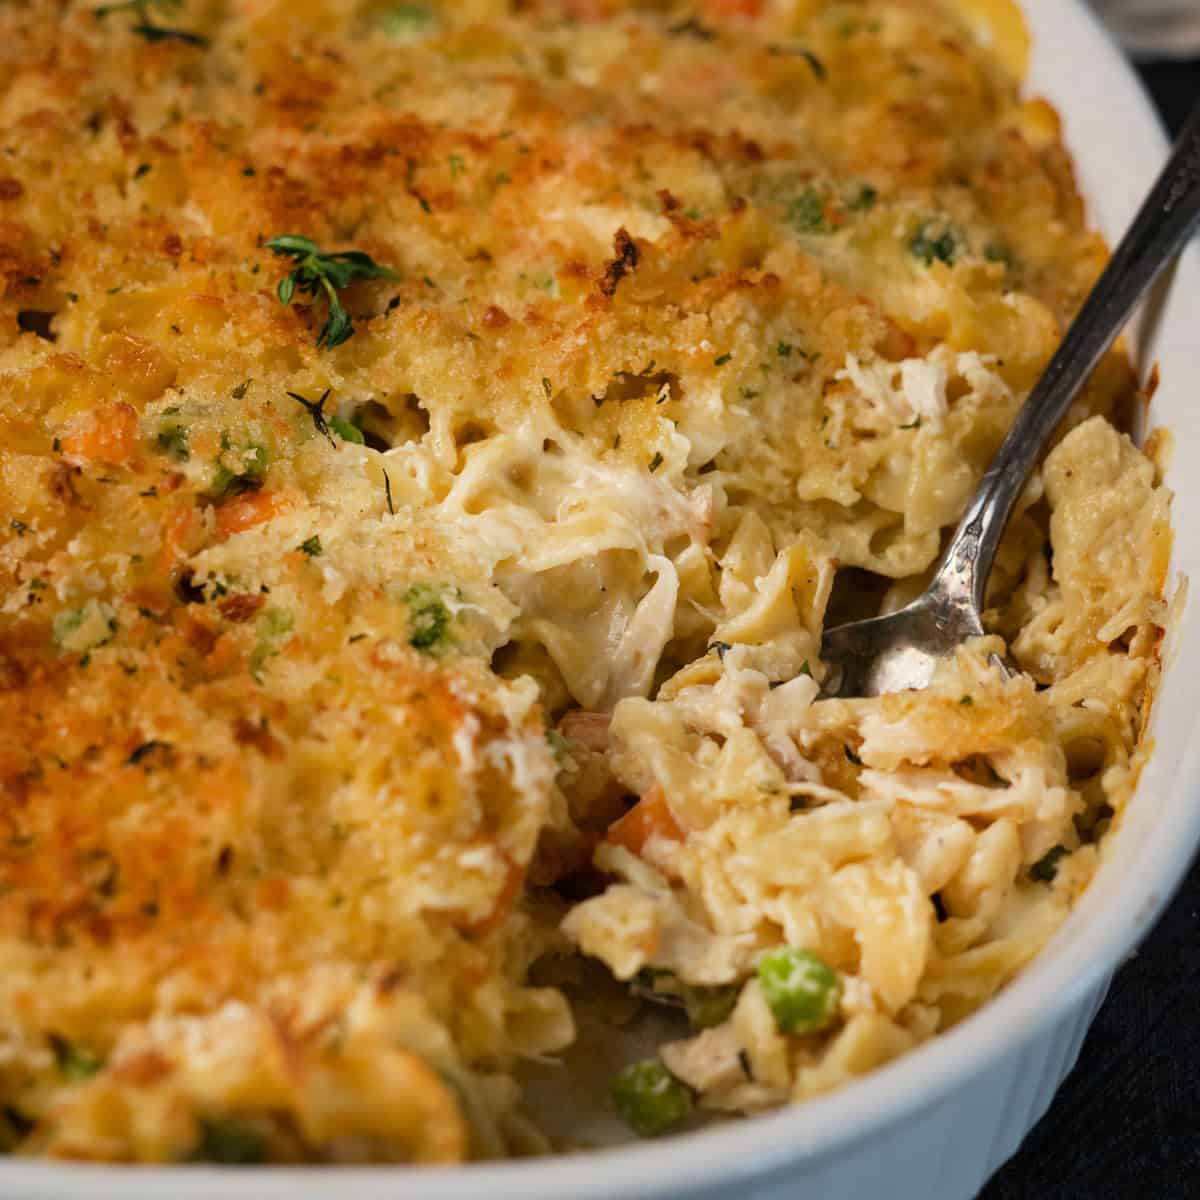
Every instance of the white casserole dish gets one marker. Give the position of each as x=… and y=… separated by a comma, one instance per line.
x=937, y=1123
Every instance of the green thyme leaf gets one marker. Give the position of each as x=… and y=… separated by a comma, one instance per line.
x=144, y=25
x=75, y=1062
x=316, y=272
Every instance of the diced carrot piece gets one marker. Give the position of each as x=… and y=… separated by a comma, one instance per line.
x=273, y=892
x=749, y=9
x=586, y=10
x=177, y=529
x=650, y=817
x=107, y=435
x=246, y=511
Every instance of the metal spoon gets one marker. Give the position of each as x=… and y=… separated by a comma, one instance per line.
x=900, y=650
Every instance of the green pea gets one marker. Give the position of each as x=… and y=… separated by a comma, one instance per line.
x=649, y=1098
x=229, y=1140
x=346, y=430
x=407, y=20
x=800, y=989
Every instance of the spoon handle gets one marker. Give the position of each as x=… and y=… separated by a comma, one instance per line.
x=1167, y=219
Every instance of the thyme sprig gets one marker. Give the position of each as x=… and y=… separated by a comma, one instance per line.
x=316, y=410
x=317, y=271
x=144, y=25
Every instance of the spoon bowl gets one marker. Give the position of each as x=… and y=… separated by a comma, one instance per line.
x=897, y=651
x=901, y=650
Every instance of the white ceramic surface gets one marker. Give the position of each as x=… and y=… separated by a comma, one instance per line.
x=936, y=1124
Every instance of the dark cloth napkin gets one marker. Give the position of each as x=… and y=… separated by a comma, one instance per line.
x=1127, y=1121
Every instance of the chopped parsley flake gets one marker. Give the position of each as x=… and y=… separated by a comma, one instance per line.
x=312, y=546
x=559, y=746
x=74, y=1062
x=229, y=1140
x=656, y=462
x=693, y=27
x=273, y=628
x=818, y=67
x=145, y=750
x=927, y=247
x=173, y=442
x=66, y=623
x=806, y=213
x=239, y=471
x=865, y=200
x=994, y=252
x=429, y=619
x=144, y=26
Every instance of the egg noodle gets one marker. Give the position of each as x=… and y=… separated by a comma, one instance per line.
x=432, y=441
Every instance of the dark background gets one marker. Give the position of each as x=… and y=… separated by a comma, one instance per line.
x=1127, y=1121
